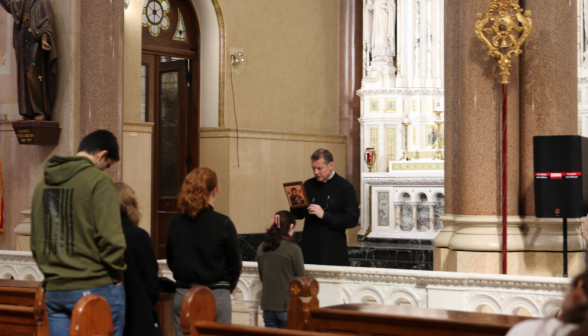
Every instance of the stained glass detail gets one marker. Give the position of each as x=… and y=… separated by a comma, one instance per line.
x=169, y=134
x=180, y=34
x=155, y=16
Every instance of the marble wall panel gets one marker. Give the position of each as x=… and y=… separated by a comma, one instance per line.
x=251, y=183
x=137, y=167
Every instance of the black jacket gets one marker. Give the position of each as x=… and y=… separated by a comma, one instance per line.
x=323, y=240
x=203, y=250
x=141, y=283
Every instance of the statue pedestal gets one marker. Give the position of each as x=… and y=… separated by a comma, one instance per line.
x=380, y=76
x=42, y=133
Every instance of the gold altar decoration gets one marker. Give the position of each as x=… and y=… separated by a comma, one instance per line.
x=511, y=28
x=439, y=152
x=370, y=158
x=405, y=154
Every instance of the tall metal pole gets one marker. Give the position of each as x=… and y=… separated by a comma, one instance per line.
x=565, y=247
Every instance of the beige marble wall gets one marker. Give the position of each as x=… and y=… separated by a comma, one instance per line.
x=291, y=80
x=132, y=62
x=138, y=166
x=252, y=192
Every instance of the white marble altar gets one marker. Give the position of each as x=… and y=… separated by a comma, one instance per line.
x=410, y=94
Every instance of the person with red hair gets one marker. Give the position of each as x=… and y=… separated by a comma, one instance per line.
x=202, y=246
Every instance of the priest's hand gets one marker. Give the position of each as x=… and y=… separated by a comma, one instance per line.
x=317, y=210
x=45, y=45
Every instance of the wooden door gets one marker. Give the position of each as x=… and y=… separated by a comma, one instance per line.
x=170, y=147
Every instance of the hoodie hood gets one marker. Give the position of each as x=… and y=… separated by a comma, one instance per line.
x=59, y=169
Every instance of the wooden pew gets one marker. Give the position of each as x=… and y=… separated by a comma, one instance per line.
x=91, y=316
x=23, y=312
x=367, y=320
x=198, y=318
x=22, y=308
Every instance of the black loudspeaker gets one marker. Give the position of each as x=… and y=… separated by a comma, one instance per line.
x=561, y=176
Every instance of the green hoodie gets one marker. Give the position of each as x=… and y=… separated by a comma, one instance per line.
x=76, y=233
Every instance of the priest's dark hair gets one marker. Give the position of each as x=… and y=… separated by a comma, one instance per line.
x=275, y=234
x=98, y=141
x=322, y=153
x=196, y=189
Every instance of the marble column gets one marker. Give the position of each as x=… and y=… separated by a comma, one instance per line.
x=549, y=104
x=417, y=81
x=549, y=83
x=350, y=70
x=473, y=135
x=542, y=101
x=400, y=66
x=429, y=76
x=101, y=72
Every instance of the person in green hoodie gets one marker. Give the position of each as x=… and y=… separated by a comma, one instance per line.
x=76, y=233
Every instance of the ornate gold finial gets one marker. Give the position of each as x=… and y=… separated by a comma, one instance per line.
x=502, y=43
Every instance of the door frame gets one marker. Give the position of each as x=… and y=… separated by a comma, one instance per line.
x=190, y=52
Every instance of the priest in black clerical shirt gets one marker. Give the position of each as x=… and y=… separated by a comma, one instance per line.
x=333, y=209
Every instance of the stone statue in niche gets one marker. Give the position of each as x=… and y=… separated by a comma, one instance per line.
x=379, y=43
x=380, y=30
x=36, y=53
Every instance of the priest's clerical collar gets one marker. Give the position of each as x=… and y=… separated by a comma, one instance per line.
x=332, y=175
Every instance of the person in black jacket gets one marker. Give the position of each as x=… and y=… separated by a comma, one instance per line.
x=333, y=209
x=202, y=246
x=141, y=280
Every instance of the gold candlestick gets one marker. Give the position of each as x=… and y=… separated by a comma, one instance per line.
x=439, y=153
x=405, y=155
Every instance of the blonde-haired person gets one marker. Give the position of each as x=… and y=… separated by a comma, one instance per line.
x=202, y=246
x=141, y=278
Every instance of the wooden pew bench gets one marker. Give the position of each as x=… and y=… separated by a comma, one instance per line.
x=382, y=320
x=23, y=312
x=22, y=308
x=198, y=318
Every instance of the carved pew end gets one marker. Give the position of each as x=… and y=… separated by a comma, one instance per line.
x=198, y=305
x=91, y=317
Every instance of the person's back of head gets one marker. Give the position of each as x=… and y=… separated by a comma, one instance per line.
x=575, y=305
x=101, y=146
x=198, y=188
x=128, y=203
x=278, y=231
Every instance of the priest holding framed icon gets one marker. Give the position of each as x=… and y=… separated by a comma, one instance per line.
x=333, y=209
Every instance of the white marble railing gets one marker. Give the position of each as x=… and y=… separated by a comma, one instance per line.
x=474, y=292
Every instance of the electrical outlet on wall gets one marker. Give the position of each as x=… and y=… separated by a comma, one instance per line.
x=237, y=59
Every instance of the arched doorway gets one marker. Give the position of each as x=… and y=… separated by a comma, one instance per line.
x=170, y=99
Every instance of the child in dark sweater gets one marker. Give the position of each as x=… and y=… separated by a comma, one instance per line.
x=280, y=260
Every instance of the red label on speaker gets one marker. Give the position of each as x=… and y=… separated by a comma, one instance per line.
x=557, y=176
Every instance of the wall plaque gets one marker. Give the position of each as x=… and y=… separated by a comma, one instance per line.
x=42, y=133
